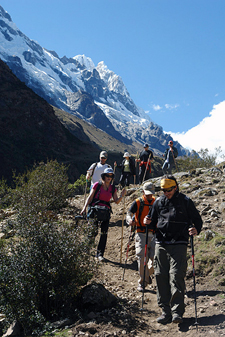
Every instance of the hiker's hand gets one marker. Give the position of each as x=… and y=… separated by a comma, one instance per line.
x=131, y=223
x=123, y=192
x=83, y=211
x=146, y=220
x=137, y=160
x=193, y=231
x=115, y=163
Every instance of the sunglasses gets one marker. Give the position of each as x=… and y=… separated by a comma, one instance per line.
x=103, y=158
x=168, y=189
x=109, y=175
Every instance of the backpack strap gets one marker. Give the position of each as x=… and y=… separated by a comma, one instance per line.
x=95, y=199
x=93, y=170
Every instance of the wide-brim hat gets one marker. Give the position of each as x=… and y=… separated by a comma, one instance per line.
x=126, y=154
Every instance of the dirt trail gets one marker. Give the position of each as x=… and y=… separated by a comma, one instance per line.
x=132, y=321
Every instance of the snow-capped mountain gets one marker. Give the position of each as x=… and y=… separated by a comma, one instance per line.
x=76, y=85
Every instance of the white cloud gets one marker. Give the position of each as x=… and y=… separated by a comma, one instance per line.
x=171, y=106
x=156, y=107
x=209, y=133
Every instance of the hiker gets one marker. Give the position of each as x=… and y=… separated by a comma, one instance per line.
x=145, y=159
x=140, y=208
x=96, y=169
x=100, y=195
x=174, y=218
x=128, y=169
x=170, y=154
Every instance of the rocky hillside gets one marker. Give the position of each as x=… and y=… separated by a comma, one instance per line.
x=121, y=314
x=30, y=132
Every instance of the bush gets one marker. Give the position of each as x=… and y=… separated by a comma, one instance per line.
x=80, y=185
x=5, y=194
x=44, y=266
x=201, y=159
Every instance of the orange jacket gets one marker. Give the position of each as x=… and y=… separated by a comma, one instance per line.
x=139, y=222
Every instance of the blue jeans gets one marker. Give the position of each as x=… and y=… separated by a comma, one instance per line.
x=167, y=168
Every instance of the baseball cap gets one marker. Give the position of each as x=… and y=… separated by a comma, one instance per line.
x=103, y=154
x=170, y=142
x=146, y=145
x=148, y=188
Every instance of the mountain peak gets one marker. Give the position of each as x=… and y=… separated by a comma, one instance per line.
x=5, y=14
x=85, y=62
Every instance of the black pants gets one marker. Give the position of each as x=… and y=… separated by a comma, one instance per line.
x=125, y=179
x=142, y=173
x=104, y=225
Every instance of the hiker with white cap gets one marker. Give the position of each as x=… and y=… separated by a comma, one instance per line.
x=145, y=160
x=96, y=169
x=135, y=216
x=128, y=169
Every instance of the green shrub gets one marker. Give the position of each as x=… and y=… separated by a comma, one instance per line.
x=5, y=194
x=80, y=185
x=43, y=267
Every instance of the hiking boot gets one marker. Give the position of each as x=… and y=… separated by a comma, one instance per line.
x=100, y=258
x=164, y=318
x=139, y=288
x=177, y=319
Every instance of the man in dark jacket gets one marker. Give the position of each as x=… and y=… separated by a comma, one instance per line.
x=174, y=217
x=170, y=154
x=146, y=157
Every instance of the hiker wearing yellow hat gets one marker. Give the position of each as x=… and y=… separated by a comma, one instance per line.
x=174, y=218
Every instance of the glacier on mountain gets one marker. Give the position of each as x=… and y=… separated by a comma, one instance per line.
x=63, y=81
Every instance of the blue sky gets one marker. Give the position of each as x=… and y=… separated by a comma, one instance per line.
x=169, y=53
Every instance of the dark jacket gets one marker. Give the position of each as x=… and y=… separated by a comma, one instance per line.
x=131, y=166
x=145, y=155
x=171, y=218
x=175, y=154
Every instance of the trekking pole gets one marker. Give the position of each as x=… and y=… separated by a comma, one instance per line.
x=122, y=230
x=145, y=170
x=193, y=265
x=145, y=264
x=135, y=169
x=85, y=191
x=128, y=246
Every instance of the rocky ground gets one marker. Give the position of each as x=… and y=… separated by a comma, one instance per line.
x=135, y=315
x=206, y=188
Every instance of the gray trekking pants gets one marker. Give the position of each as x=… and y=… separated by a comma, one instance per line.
x=170, y=265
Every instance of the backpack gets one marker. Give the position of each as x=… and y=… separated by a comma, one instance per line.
x=142, y=204
x=100, y=213
x=95, y=199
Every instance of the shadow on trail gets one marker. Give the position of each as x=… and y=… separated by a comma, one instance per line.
x=202, y=322
x=132, y=266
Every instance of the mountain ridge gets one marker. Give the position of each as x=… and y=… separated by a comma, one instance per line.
x=60, y=80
